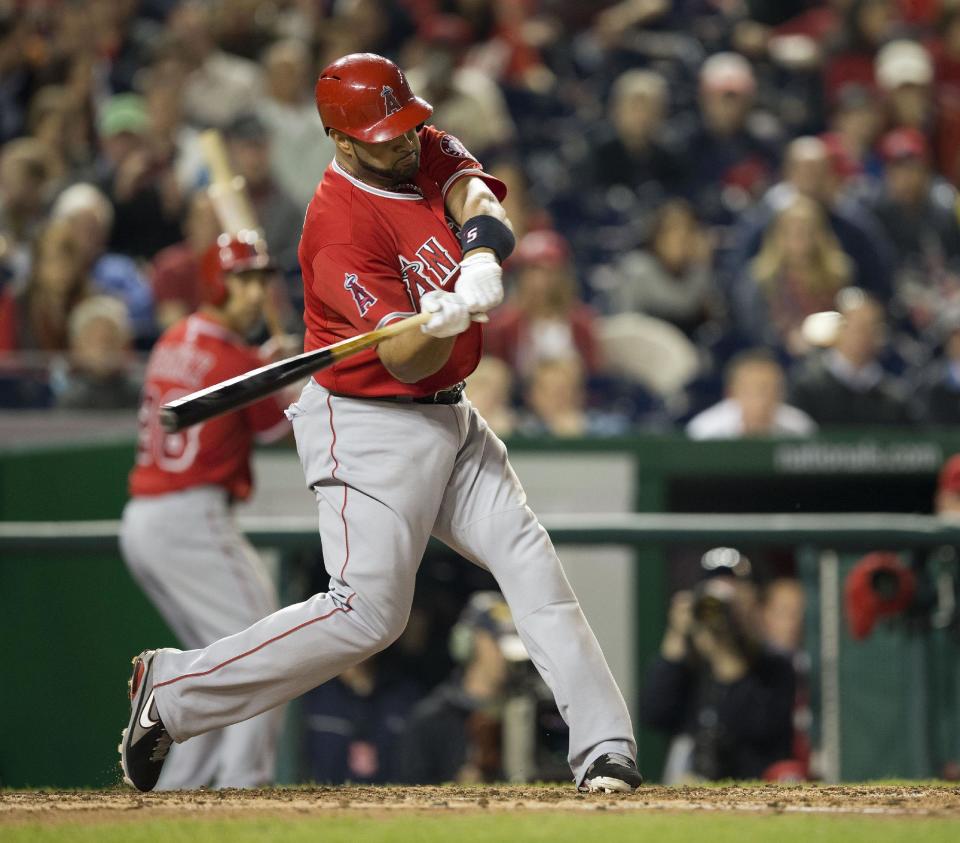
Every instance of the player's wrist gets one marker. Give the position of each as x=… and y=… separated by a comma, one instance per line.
x=483, y=254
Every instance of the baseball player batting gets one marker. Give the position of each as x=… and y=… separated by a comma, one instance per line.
x=404, y=220
x=177, y=536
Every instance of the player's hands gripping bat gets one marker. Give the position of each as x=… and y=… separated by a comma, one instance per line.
x=449, y=314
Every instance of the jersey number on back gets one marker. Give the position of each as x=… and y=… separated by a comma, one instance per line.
x=172, y=452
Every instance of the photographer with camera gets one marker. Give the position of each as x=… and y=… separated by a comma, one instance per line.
x=724, y=695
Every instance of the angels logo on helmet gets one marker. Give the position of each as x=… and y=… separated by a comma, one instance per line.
x=390, y=101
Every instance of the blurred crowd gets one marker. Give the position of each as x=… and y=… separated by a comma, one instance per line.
x=689, y=181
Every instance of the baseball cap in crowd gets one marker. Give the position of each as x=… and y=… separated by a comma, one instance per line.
x=542, y=247
x=843, y=164
x=446, y=30
x=878, y=586
x=487, y=611
x=123, y=113
x=903, y=62
x=904, y=144
x=247, y=127
x=727, y=72
x=949, y=480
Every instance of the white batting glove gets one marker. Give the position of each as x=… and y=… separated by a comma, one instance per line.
x=450, y=314
x=480, y=284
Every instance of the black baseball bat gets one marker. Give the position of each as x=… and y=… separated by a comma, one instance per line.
x=251, y=386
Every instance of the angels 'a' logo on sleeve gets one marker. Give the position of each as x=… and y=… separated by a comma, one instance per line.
x=362, y=297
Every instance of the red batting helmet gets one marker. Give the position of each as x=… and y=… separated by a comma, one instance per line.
x=367, y=97
x=242, y=252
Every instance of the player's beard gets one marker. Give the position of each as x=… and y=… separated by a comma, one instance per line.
x=401, y=172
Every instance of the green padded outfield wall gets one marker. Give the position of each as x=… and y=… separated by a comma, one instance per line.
x=71, y=625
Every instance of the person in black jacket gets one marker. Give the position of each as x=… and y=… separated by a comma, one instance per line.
x=940, y=385
x=846, y=384
x=726, y=698
x=637, y=152
x=917, y=213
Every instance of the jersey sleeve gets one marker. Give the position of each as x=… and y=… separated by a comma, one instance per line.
x=444, y=159
x=362, y=289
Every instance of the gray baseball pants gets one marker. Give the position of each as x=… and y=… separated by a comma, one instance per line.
x=386, y=477
x=206, y=581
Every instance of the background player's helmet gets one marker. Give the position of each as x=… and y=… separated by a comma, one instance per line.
x=242, y=252
x=367, y=97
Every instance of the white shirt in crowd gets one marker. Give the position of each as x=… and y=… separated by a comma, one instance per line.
x=725, y=421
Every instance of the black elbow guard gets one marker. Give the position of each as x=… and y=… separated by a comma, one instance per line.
x=484, y=231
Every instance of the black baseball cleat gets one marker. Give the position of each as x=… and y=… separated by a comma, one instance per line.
x=612, y=773
x=145, y=742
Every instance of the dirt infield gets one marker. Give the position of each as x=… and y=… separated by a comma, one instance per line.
x=120, y=804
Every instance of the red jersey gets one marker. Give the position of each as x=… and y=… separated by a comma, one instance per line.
x=196, y=352
x=368, y=254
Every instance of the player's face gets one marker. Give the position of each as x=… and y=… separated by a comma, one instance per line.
x=391, y=162
x=247, y=294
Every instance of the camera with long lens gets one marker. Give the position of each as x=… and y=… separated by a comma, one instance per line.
x=715, y=610
x=713, y=607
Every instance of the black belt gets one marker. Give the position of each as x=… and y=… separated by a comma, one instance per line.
x=444, y=396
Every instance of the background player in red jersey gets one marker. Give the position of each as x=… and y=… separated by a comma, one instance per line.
x=178, y=537
x=404, y=220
